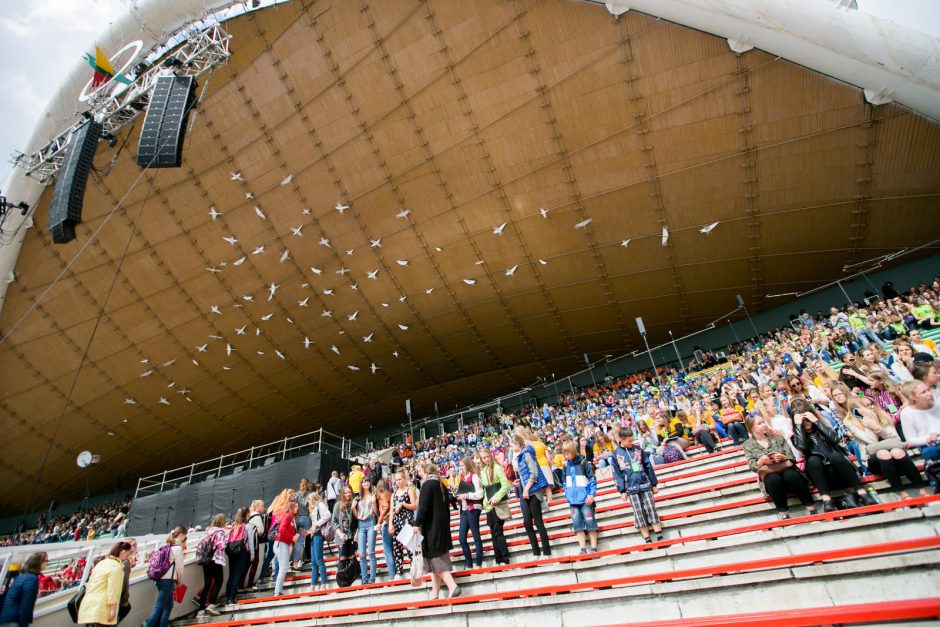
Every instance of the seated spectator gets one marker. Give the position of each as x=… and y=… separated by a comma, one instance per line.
x=769, y=455
x=920, y=418
x=732, y=419
x=827, y=464
x=926, y=373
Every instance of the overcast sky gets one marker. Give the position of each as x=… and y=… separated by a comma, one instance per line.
x=40, y=41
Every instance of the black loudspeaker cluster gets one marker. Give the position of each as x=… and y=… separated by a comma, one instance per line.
x=69, y=192
x=161, y=138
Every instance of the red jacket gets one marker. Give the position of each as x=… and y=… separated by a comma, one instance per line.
x=286, y=530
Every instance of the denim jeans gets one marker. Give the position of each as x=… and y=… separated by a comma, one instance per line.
x=160, y=616
x=268, y=558
x=470, y=522
x=318, y=566
x=367, y=549
x=282, y=553
x=303, y=522
x=853, y=448
x=388, y=545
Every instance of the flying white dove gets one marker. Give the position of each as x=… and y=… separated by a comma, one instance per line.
x=289, y=321
x=325, y=242
x=163, y=401
x=470, y=281
x=279, y=354
x=304, y=285
x=271, y=290
x=543, y=262
x=374, y=368
x=342, y=271
x=326, y=314
x=353, y=368
x=146, y=374
x=297, y=231
x=479, y=263
x=203, y=348
x=215, y=309
x=129, y=401
x=172, y=384
x=213, y=270
x=372, y=274
x=240, y=261
x=267, y=317
x=258, y=250
x=708, y=229
x=354, y=286
x=328, y=292
x=303, y=303
x=665, y=235
x=306, y=211
x=403, y=213
x=625, y=243
x=439, y=249
x=168, y=363
x=226, y=368
x=260, y=213
x=285, y=256
x=249, y=196
x=544, y=212
x=236, y=176
x=350, y=252
x=307, y=342
x=367, y=338
x=182, y=391
x=216, y=337
x=583, y=223
x=352, y=317
x=195, y=363
x=145, y=361
x=316, y=270
x=429, y=290
x=249, y=298
x=257, y=331
x=402, y=262
x=222, y=264
x=402, y=299
x=286, y=181
x=231, y=240
x=260, y=352
x=511, y=271
x=241, y=330
x=403, y=327
x=384, y=304
x=334, y=349
x=213, y=213
x=395, y=353
x=375, y=243
x=229, y=350
x=498, y=230
x=341, y=207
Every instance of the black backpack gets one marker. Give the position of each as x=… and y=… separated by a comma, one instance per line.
x=347, y=568
x=266, y=524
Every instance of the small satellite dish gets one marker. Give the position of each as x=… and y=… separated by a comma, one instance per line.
x=84, y=459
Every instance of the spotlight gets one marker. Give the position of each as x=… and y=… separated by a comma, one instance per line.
x=110, y=137
x=172, y=62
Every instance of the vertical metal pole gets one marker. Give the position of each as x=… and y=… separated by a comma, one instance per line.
x=736, y=338
x=848, y=299
x=192, y=469
x=675, y=348
x=162, y=481
x=284, y=451
x=251, y=457
x=652, y=361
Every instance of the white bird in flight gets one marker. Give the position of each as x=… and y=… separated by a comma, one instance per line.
x=168, y=363
x=544, y=212
x=374, y=368
x=334, y=349
x=267, y=317
x=479, y=263
x=258, y=250
x=375, y=243
x=429, y=290
x=241, y=330
x=511, y=271
x=708, y=229
x=271, y=290
x=583, y=223
x=216, y=337
x=213, y=213
x=328, y=292
x=498, y=230
x=341, y=207
x=231, y=240
x=203, y=348
x=350, y=252
x=326, y=314
x=316, y=270
x=260, y=213
x=215, y=309
x=402, y=299
x=163, y=401
x=395, y=353
x=249, y=196
x=470, y=281
x=249, y=298
x=402, y=262
x=325, y=242
x=286, y=181
x=367, y=338
x=403, y=213
x=214, y=270
x=665, y=235
x=543, y=262
x=307, y=342
x=352, y=317
x=146, y=374
x=353, y=368
x=229, y=350
x=354, y=286
x=236, y=176
x=297, y=231
x=129, y=401
x=306, y=211
x=285, y=255
x=303, y=303
x=279, y=354
x=342, y=271
x=403, y=327
x=625, y=243
x=372, y=274
x=240, y=261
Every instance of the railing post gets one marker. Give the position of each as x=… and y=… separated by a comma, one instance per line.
x=162, y=481
x=251, y=457
x=192, y=469
x=284, y=450
x=219, y=471
x=88, y=566
x=320, y=443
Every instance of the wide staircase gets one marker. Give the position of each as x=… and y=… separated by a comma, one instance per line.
x=726, y=559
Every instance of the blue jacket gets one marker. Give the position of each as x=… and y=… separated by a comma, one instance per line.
x=20, y=599
x=579, y=481
x=631, y=481
x=540, y=480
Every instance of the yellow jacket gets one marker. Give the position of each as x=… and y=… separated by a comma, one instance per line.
x=102, y=590
x=355, y=479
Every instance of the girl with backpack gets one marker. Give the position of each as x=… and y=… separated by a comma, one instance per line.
x=300, y=552
x=321, y=526
x=261, y=522
x=210, y=554
x=166, y=570
x=241, y=552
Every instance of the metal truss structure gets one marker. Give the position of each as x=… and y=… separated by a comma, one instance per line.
x=199, y=51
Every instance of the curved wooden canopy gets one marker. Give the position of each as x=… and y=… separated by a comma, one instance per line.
x=509, y=168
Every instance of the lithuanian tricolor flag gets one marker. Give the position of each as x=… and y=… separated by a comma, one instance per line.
x=104, y=71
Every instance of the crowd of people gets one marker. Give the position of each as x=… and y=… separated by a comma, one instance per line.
x=819, y=404
x=108, y=520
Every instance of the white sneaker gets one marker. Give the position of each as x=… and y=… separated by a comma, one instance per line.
x=212, y=611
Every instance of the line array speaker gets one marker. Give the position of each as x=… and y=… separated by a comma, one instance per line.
x=69, y=193
x=161, y=138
